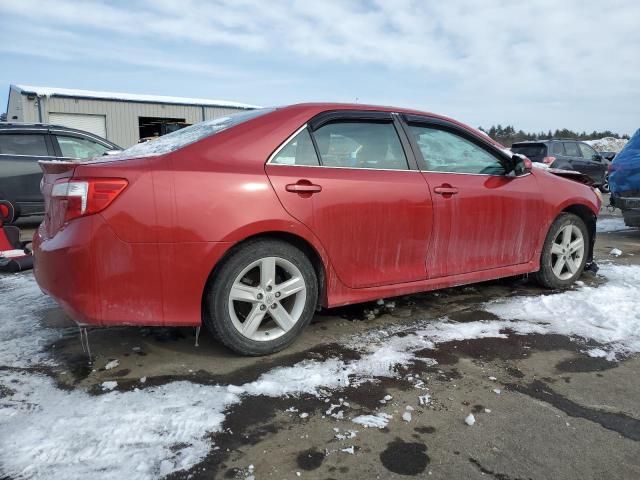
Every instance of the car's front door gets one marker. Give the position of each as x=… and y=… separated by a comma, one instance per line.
x=594, y=165
x=349, y=179
x=483, y=218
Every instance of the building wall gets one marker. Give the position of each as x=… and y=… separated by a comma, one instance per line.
x=121, y=116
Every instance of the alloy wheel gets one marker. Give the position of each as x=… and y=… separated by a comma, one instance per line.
x=267, y=299
x=567, y=252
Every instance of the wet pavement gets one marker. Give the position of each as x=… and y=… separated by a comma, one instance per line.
x=542, y=407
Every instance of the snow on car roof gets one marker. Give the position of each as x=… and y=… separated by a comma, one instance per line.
x=132, y=97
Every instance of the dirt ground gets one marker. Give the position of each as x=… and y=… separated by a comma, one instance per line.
x=542, y=408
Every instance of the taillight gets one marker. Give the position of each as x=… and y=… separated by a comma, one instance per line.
x=549, y=160
x=86, y=196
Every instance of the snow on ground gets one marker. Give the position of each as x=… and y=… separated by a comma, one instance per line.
x=611, y=224
x=21, y=337
x=608, y=314
x=151, y=432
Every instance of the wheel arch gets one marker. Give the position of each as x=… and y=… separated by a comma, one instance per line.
x=589, y=218
x=298, y=241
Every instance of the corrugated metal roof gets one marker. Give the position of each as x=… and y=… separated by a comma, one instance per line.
x=131, y=97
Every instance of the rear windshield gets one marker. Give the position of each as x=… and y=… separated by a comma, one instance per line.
x=531, y=151
x=181, y=138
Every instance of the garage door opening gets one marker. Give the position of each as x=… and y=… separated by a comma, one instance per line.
x=151, y=127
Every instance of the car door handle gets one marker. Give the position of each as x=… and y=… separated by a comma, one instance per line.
x=445, y=190
x=303, y=186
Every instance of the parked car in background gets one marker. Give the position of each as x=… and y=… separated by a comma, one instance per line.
x=624, y=174
x=251, y=222
x=608, y=158
x=22, y=145
x=566, y=154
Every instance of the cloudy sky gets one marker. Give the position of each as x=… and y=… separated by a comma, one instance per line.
x=537, y=64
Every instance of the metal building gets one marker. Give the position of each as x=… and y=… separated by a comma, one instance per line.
x=122, y=118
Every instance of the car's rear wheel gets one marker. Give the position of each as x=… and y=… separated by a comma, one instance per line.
x=564, y=253
x=262, y=297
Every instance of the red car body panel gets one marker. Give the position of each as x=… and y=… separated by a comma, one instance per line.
x=146, y=259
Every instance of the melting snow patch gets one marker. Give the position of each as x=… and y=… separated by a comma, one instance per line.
x=613, y=224
x=615, y=252
x=108, y=386
x=470, y=419
x=406, y=416
x=111, y=364
x=379, y=420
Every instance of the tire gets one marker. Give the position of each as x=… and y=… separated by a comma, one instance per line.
x=568, y=258
x=261, y=274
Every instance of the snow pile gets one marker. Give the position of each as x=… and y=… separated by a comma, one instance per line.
x=608, y=314
x=608, y=144
x=611, y=224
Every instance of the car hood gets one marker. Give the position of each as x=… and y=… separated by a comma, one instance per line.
x=624, y=176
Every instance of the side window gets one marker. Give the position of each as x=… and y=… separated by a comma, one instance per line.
x=23, y=144
x=572, y=149
x=587, y=152
x=557, y=149
x=74, y=147
x=447, y=152
x=298, y=151
x=360, y=145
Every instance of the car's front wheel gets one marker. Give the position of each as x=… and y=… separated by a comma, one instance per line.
x=262, y=297
x=564, y=253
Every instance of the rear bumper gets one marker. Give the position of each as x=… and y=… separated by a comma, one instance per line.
x=100, y=280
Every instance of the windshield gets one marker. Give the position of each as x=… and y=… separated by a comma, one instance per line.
x=181, y=138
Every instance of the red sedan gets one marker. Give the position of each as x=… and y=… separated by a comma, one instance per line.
x=250, y=223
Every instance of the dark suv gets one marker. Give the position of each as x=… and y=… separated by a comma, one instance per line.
x=23, y=144
x=567, y=155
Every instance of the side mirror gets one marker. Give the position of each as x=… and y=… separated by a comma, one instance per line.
x=597, y=157
x=610, y=156
x=522, y=165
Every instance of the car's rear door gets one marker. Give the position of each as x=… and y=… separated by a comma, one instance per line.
x=483, y=218
x=350, y=179
x=20, y=174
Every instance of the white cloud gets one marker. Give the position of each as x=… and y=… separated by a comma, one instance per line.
x=539, y=55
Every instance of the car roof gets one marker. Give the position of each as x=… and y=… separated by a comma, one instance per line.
x=46, y=127
x=314, y=108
